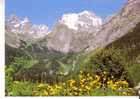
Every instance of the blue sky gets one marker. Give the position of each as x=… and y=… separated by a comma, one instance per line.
x=49, y=11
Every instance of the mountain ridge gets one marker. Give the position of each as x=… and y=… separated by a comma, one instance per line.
x=66, y=40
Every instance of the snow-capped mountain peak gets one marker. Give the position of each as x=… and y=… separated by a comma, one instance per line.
x=85, y=12
x=25, y=27
x=70, y=20
x=77, y=21
x=73, y=31
x=25, y=20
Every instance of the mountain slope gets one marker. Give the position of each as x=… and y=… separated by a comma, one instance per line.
x=73, y=31
x=129, y=43
x=118, y=26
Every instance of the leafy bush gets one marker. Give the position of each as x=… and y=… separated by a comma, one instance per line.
x=17, y=65
x=112, y=60
x=21, y=89
x=9, y=71
x=22, y=63
x=134, y=73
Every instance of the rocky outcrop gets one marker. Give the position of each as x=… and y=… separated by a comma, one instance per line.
x=73, y=32
x=118, y=26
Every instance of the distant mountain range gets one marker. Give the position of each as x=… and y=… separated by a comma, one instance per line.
x=77, y=32
x=25, y=27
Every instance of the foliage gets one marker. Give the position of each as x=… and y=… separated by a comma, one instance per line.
x=16, y=66
x=86, y=85
x=9, y=71
x=103, y=72
x=134, y=72
x=110, y=60
x=23, y=62
x=21, y=89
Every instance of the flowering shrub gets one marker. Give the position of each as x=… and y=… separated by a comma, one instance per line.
x=86, y=85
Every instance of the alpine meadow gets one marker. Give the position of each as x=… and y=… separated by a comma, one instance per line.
x=81, y=55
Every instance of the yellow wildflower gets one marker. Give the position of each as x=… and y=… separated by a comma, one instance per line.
x=58, y=87
x=71, y=82
x=74, y=88
x=124, y=82
x=40, y=85
x=70, y=94
x=80, y=89
x=49, y=87
x=124, y=93
x=46, y=93
x=89, y=78
x=88, y=75
x=64, y=84
x=82, y=85
x=91, y=84
x=97, y=77
x=112, y=76
x=109, y=82
x=82, y=81
x=75, y=93
x=104, y=72
x=94, y=82
x=98, y=85
x=81, y=72
x=87, y=87
x=114, y=87
x=80, y=76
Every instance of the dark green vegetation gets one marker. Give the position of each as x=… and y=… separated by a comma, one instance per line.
x=60, y=67
x=130, y=44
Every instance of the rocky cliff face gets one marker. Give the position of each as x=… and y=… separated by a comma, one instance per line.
x=118, y=26
x=73, y=31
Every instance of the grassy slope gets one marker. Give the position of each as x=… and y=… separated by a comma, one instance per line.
x=130, y=42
